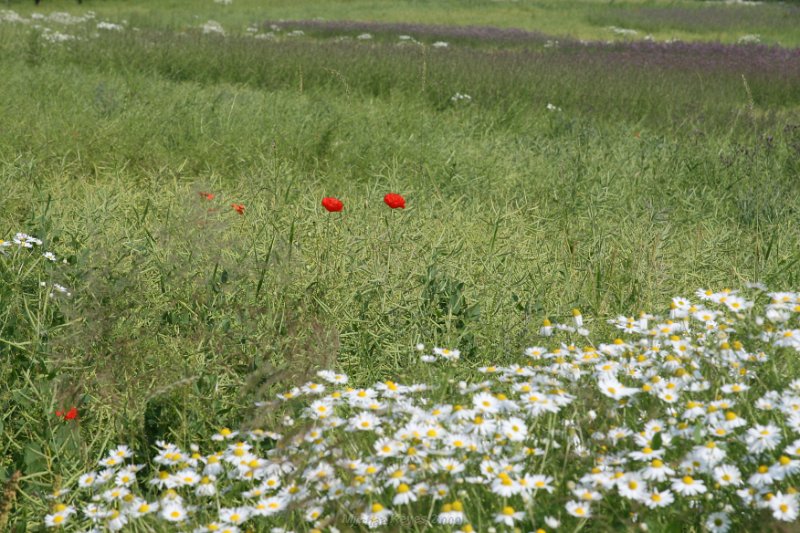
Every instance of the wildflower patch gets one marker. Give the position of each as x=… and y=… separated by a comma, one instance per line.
x=674, y=414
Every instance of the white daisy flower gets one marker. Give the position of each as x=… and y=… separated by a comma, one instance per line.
x=508, y=516
x=727, y=475
x=376, y=516
x=688, y=486
x=173, y=512
x=579, y=509
x=784, y=507
x=364, y=421
x=403, y=495
x=234, y=515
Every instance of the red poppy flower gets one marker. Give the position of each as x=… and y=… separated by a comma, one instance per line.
x=333, y=205
x=395, y=201
x=239, y=208
x=206, y=195
x=72, y=414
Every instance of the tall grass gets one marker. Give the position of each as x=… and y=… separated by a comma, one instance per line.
x=689, y=86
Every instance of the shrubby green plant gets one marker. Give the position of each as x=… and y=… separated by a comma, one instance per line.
x=33, y=388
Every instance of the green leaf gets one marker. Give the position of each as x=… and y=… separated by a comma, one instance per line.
x=34, y=459
x=698, y=433
x=657, y=441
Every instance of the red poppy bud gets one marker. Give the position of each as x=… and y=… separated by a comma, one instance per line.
x=395, y=201
x=332, y=205
x=207, y=195
x=72, y=414
x=239, y=208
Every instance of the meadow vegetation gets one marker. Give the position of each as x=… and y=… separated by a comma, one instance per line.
x=774, y=22
x=541, y=174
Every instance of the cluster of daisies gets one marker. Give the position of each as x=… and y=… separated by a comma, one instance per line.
x=24, y=241
x=51, y=25
x=687, y=416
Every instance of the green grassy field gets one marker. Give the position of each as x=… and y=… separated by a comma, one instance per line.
x=659, y=169
x=776, y=23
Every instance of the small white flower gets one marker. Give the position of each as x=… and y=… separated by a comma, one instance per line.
x=26, y=241
x=579, y=509
x=60, y=517
x=109, y=26
x=212, y=26
x=688, y=486
x=508, y=516
x=364, y=421
x=173, y=512
x=445, y=353
x=784, y=507
x=403, y=495
x=87, y=480
x=376, y=517
x=270, y=506
x=718, y=522
x=235, y=515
